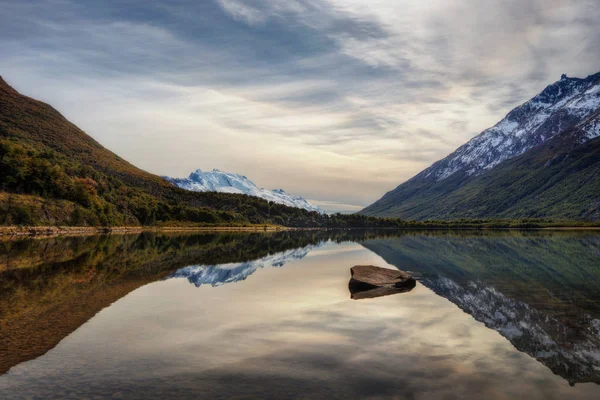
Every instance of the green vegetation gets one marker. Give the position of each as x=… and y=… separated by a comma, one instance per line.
x=94, y=198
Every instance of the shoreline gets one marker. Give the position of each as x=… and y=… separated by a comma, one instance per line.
x=52, y=231
x=49, y=231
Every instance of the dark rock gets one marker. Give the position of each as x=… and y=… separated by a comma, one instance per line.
x=369, y=281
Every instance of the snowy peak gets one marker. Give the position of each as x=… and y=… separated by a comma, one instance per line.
x=538, y=152
x=224, y=182
x=215, y=181
x=565, y=104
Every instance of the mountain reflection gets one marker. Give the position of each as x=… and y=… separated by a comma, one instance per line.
x=539, y=292
x=221, y=274
x=50, y=287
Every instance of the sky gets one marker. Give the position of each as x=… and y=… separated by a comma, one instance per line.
x=338, y=101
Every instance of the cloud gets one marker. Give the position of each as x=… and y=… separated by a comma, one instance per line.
x=240, y=11
x=339, y=100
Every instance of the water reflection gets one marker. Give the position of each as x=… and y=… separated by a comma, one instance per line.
x=293, y=331
x=569, y=347
x=220, y=274
x=542, y=293
x=50, y=287
x=378, y=292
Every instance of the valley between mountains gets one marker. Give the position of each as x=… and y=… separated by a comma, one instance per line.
x=538, y=165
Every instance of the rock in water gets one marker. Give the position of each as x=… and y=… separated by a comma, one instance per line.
x=369, y=281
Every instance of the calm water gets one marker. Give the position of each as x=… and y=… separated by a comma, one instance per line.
x=495, y=316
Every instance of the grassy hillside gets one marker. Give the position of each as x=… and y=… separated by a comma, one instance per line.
x=557, y=180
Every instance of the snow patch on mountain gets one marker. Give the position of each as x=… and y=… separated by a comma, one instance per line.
x=560, y=106
x=591, y=129
x=224, y=182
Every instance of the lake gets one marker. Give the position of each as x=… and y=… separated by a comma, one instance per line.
x=494, y=315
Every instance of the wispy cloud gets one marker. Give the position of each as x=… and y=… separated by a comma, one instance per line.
x=338, y=100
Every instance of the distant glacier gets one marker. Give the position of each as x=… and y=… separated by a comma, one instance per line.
x=224, y=182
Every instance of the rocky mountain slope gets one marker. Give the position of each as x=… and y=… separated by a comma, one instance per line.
x=224, y=182
x=541, y=160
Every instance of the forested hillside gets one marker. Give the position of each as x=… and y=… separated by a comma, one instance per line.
x=53, y=173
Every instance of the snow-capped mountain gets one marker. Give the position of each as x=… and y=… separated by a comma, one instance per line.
x=221, y=274
x=541, y=161
x=220, y=181
x=560, y=106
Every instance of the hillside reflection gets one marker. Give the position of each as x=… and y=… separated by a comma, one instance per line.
x=50, y=287
x=541, y=292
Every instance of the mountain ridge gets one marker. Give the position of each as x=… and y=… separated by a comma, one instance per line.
x=532, y=139
x=537, y=114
